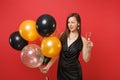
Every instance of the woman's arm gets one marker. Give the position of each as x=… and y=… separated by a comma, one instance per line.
x=49, y=64
x=86, y=51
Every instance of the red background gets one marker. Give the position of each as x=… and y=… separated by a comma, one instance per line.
x=101, y=17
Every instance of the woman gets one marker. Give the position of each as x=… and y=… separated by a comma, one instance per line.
x=73, y=43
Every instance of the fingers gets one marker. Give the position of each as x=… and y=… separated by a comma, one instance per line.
x=42, y=66
x=89, y=44
x=43, y=69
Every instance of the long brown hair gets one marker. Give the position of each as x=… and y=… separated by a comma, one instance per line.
x=67, y=31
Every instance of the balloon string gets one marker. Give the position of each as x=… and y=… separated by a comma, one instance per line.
x=46, y=77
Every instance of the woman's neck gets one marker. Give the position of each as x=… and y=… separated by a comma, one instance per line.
x=73, y=34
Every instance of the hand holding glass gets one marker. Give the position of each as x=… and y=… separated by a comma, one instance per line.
x=88, y=35
x=89, y=42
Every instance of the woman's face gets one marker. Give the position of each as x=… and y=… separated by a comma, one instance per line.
x=72, y=24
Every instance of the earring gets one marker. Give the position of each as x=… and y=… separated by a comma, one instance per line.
x=78, y=28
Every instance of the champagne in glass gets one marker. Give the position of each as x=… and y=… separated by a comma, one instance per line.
x=88, y=35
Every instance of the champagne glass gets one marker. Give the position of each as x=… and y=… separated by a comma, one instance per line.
x=88, y=35
x=89, y=42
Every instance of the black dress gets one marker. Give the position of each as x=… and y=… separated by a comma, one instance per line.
x=69, y=67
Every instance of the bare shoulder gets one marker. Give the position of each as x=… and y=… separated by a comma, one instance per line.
x=60, y=34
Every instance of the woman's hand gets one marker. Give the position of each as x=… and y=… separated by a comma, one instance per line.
x=89, y=44
x=87, y=47
x=44, y=69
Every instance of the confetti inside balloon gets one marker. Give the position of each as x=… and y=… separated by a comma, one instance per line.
x=31, y=56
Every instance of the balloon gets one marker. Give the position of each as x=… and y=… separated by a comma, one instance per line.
x=31, y=56
x=28, y=30
x=45, y=25
x=16, y=41
x=50, y=46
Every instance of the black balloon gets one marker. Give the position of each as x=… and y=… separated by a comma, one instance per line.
x=46, y=60
x=16, y=41
x=45, y=25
